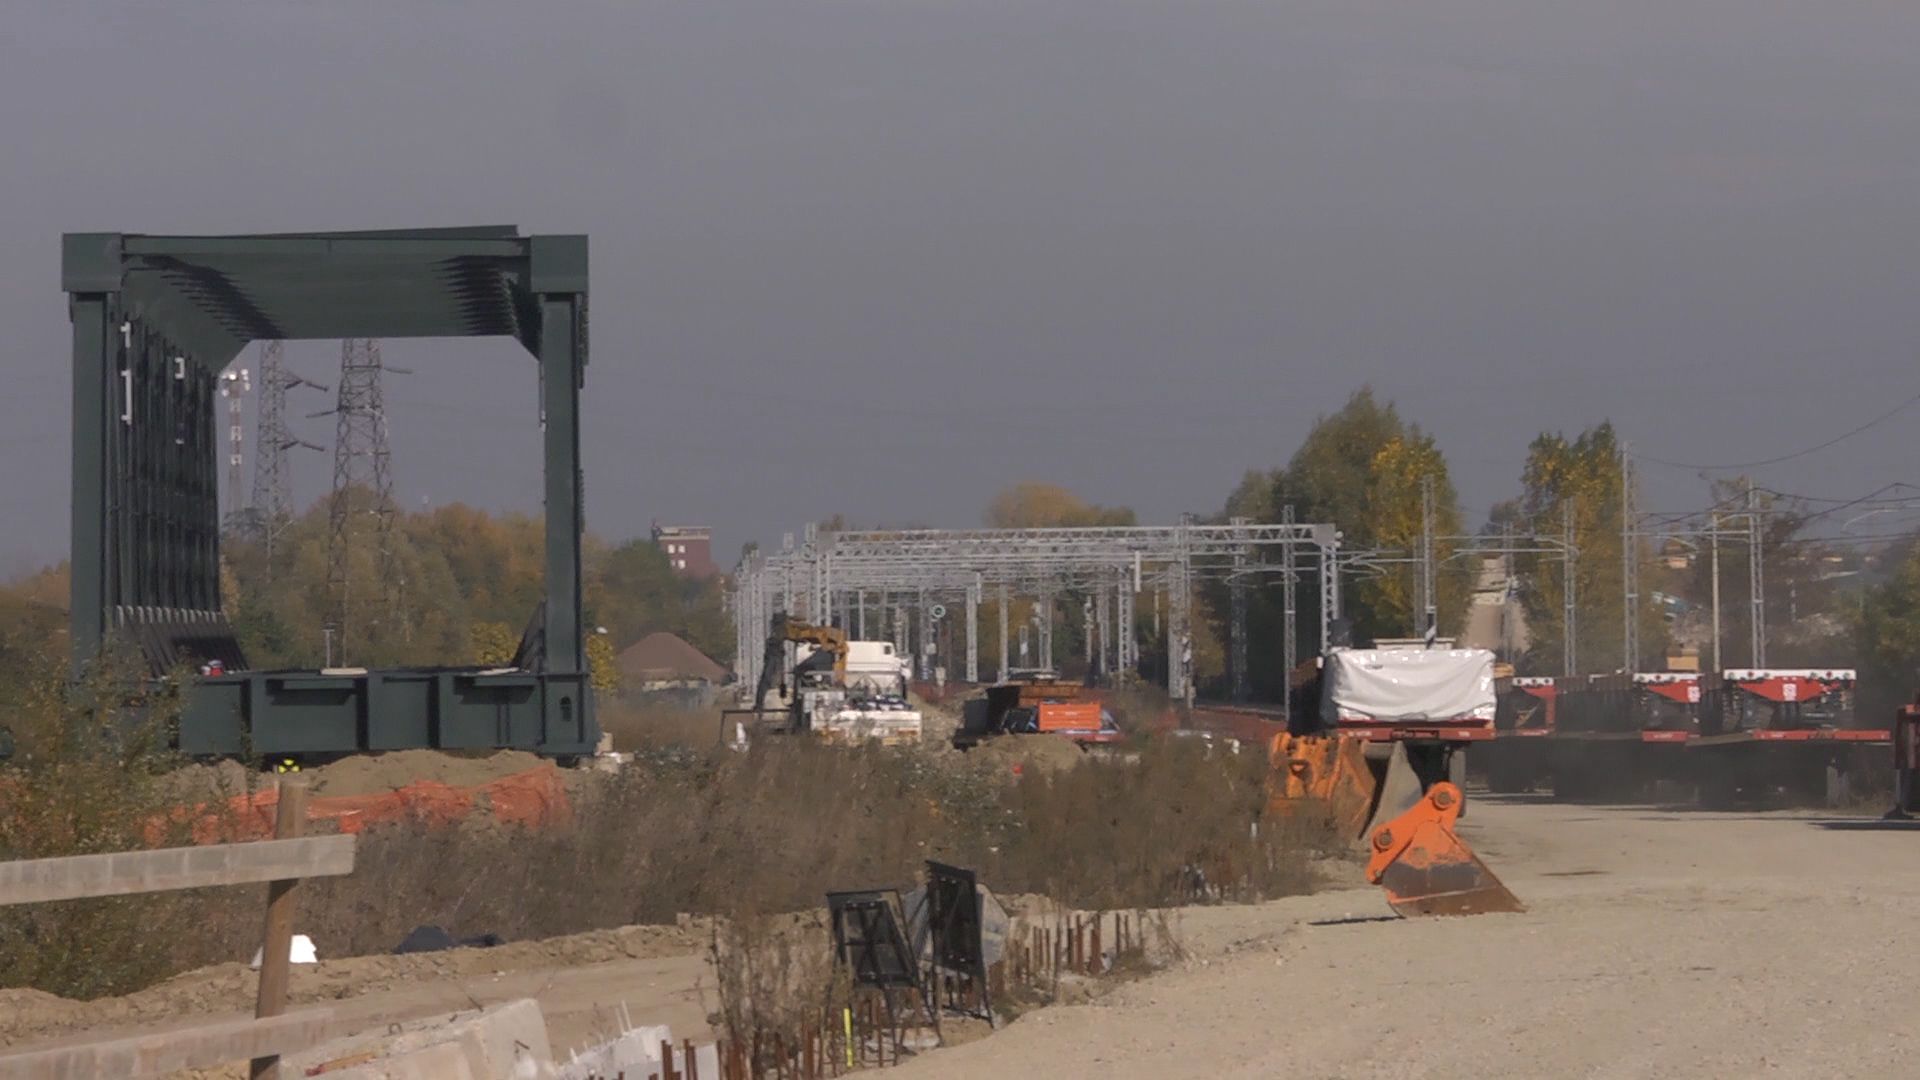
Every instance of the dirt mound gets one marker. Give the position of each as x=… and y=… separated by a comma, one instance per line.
x=1020, y=752
x=377, y=774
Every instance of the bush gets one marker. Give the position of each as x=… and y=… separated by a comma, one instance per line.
x=89, y=775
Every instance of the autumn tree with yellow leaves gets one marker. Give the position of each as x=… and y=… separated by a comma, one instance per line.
x=1362, y=469
x=1579, y=481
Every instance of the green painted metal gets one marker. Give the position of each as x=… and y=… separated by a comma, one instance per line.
x=155, y=321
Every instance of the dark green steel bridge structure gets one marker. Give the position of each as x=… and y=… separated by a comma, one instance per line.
x=155, y=321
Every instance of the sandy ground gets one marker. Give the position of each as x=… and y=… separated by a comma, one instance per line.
x=1657, y=943
x=660, y=974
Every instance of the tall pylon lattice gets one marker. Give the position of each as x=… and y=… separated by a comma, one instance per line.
x=362, y=490
x=272, y=502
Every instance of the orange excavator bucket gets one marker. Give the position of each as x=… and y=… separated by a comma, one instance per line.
x=1322, y=777
x=1425, y=867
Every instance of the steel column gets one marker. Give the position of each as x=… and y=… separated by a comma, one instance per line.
x=973, y=630
x=94, y=380
x=561, y=375
x=1290, y=620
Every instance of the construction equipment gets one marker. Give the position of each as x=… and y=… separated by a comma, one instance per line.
x=1389, y=724
x=819, y=699
x=1426, y=869
x=1036, y=706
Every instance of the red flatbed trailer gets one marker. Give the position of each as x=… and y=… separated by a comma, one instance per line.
x=1774, y=729
x=1519, y=757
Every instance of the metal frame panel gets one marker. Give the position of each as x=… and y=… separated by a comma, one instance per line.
x=156, y=318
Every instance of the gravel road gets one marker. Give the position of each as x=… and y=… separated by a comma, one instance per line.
x=1657, y=944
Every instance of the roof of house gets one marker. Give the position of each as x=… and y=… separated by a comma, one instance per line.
x=662, y=655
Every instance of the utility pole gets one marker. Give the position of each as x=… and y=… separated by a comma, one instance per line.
x=1629, y=567
x=234, y=386
x=1001, y=671
x=1430, y=608
x=1507, y=649
x=924, y=648
x=1237, y=619
x=361, y=472
x=1180, y=620
x=1713, y=532
x=1289, y=634
x=1569, y=620
x=1756, y=578
x=1103, y=623
x=1046, y=627
x=272, y=479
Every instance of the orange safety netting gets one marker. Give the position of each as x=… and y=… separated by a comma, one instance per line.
x=532, y=799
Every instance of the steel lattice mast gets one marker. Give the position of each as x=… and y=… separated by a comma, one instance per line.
x=361, y=474
x=272, y=501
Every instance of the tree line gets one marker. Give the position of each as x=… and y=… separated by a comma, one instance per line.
x=466, y=581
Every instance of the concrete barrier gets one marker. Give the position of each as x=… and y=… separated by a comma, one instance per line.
x=503, y=1042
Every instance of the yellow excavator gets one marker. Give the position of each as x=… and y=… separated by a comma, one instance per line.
x=1376, y=748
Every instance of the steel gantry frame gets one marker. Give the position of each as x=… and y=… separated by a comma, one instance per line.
x=919, y=567
x=156, y=319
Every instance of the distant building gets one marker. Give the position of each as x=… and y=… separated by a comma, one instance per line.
x=662, y=661
x=689, y=548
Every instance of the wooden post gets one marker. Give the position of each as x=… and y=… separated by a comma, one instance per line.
x=289, y=821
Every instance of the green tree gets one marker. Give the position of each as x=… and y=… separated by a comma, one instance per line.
x=1397, y=480
x=492, y=643
x=1579, y=480
x=468, y=581
x=1363, y=469
x=602, y=668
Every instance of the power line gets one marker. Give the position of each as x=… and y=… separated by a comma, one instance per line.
x=1837, y=439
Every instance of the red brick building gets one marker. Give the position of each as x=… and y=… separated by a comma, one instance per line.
x=688, y=548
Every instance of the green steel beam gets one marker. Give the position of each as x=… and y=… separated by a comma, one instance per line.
x=155, y=321
x=88, y=569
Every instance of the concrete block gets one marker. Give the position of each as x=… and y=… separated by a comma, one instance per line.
x=504, y=1042
x=442, y=1061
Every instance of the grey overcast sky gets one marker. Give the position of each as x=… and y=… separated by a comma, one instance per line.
x=884, y=257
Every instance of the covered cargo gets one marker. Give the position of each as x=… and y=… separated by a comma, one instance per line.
x=1372, y=688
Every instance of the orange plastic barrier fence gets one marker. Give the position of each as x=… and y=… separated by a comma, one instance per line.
x=532, y=799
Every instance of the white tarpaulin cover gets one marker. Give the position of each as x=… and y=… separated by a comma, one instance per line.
x=1407, y=684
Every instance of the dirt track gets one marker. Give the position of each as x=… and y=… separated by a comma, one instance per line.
x=1658, y=944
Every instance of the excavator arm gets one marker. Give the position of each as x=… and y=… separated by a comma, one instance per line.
x=829, y=640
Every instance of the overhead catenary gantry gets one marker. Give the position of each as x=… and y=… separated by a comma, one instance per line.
x=831, y=576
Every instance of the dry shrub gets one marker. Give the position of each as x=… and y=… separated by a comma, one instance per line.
x=740, y=835
x=1176, y=822
x=636, y=726
x=774, y=978
x=89, y=776
x=743, y=835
